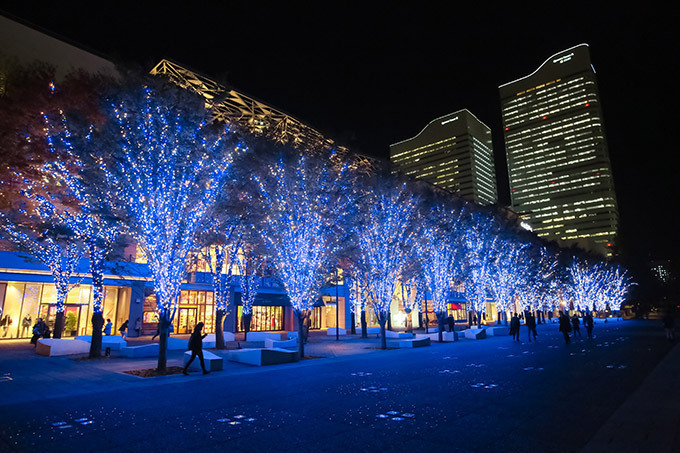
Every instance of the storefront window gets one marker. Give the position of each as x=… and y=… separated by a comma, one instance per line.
x=10, y=318
x=264, y=319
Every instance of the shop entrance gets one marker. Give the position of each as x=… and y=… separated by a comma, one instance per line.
x=48, y=312
x=186, y=320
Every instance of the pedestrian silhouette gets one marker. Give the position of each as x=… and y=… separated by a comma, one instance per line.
x=588, y=323
x=575, y=325
x=565, y=326
x=514, y=327
x=531, y=326
x=196, y=348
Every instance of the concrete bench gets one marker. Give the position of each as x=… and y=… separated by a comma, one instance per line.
x=331, y=331
x=212, y=362
x=369, y=330
x=50, y=347
x=497, y=331
x=145, y=350
x=282, y=344
x=475, y=334
x=210, y=341
x=397, y=335
x=446, y=336
x=261, y=357
x=261, y=336
x=414, y=342
x=108, y=341
x=177, y=344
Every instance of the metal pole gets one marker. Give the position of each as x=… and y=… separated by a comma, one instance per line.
x=337, y=305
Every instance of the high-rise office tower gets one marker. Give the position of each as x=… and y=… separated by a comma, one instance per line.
x=453, y=152
x=558, y=163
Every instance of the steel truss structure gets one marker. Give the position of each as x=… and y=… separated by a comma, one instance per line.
x=230, y=106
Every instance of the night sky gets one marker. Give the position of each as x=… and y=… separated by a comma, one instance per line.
x=372, y=73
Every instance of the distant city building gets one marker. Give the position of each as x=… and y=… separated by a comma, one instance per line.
x=453, y=152
x=558, y=162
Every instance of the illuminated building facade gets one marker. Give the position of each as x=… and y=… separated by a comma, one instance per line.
x=453, y=152
x=558, y=162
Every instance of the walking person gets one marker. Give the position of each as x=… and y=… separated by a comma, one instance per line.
x=123, y=329
x=514, y=327
x=108, y=327
x=588, y=323
x=196, y=348
x=531, y=326
x=565, y=326
x=575, y=325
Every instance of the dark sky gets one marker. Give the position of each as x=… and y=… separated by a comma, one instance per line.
x=371, y=73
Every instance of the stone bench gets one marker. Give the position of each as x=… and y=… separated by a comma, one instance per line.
x=212, y=362
x=261, y=336
x=282, y=344
x=262, y=357
x=369, y=330
x=145, y=350
x=177, y=344
x=114, y=342
x=475, y=334
x=446, y=336
x=331, y=331
x=397, y=335
x=210, y=341
x=497, y=331
x=414, y=342
x=50, y=347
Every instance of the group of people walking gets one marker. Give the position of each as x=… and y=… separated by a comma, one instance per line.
x=567, y=325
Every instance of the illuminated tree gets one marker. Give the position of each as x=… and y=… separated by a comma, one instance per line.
x=219, y=251
x=304, y=202
x=616, y=284
x=388, y=215
x=76, y=177
x=168, y=171
x=439, y=250
x=54, y=246
x=510, y=269
x=481, y=242
x=585, y=284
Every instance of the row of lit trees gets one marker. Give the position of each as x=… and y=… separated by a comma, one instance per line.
x=157, y=170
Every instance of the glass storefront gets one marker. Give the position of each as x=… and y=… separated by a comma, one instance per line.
x=24, y=303
x=194, y=307
x=265, y=318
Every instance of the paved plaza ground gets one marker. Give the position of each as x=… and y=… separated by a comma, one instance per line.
x=618, y=392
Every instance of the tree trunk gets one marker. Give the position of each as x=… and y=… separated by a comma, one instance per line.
x=382, y=320
x=389, y=321
x=58, y=325
x=219, y=329
x=245, y=320
x=96, y=343
x=354, y=321
x=301, y=339
x=364, y=327
x=163, y=344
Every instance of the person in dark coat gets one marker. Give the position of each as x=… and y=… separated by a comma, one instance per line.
x=588, y=323
x=575, y=325
x=123, y=329
x=40, y=329
x=514, y=327
x=565, y=326
x=449, y=320
x=196, y=348
x=531, y=325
